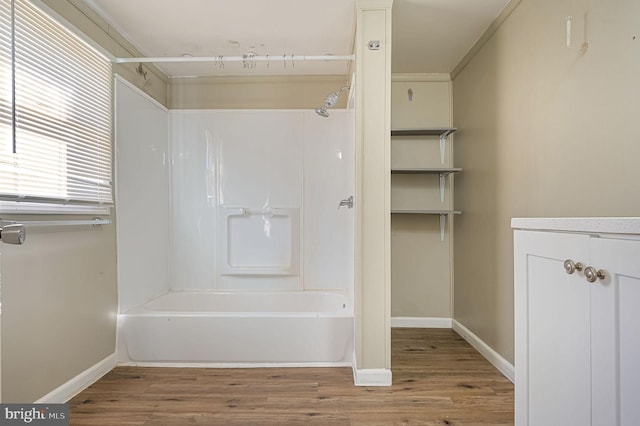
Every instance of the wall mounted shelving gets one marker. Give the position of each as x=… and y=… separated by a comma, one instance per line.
x=442, y=172
x=441, y=132
x=411, y=170
x=442, y=213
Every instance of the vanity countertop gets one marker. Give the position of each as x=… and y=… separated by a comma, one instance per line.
x=600, y=225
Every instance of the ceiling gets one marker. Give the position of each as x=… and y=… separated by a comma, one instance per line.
x=429, y=36
x=432, y=36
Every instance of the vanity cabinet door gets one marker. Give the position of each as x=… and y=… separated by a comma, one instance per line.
x=615, y=332
x=552, y=330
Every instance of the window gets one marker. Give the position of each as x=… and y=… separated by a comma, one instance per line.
x=55, y=115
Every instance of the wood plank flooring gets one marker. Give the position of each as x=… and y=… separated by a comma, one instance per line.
x=438, y=379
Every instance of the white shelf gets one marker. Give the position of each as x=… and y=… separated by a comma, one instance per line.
x=442, y=132
x=438, y=212
x=442, y=213
x=442, y=171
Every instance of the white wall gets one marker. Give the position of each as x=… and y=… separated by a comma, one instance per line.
x=142, y=196
x=193, y=187
x=174, y=202
x=328, y=178
x=290, y=160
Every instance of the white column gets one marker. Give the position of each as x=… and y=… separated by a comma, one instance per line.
x=373, y=219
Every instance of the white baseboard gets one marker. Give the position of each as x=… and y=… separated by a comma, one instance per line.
x=370, y=376
x=66, y=391
x=235, y=364
x=504, y=366
x=421, y=322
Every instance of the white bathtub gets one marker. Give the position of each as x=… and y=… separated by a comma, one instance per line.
x=243, y=329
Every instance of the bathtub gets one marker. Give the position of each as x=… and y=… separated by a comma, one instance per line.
x=239, y=329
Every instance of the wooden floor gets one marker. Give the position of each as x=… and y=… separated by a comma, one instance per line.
x=438, y=379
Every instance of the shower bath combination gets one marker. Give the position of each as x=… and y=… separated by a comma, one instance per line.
x=260, y=268
x=329, y=101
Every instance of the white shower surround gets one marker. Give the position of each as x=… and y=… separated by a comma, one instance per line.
x=281, y=172
x=292, y=162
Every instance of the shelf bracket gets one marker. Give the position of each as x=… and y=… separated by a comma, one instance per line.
x=443, y=221
x=443, y=140
x=442, y=182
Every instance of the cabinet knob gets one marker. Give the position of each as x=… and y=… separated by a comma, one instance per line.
x=570, y=267
x=592, y=275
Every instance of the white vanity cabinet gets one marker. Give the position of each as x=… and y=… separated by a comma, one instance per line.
x=577, y=343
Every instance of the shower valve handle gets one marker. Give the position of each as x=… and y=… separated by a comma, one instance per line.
x=346, y=202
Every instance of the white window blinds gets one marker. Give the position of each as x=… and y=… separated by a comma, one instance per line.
x=55, y=112
x=6, y=114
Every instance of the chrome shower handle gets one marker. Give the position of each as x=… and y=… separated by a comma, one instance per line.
x=348, y=202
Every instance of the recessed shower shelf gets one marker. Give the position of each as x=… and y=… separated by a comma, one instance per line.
x=442, y=213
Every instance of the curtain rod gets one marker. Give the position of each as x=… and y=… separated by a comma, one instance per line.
x=244, y=58
x=41, y=223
